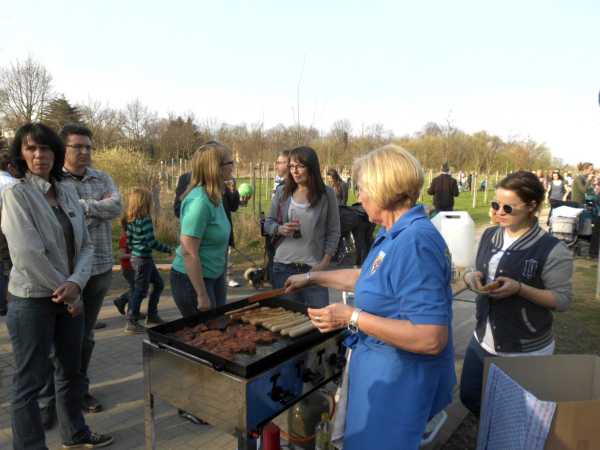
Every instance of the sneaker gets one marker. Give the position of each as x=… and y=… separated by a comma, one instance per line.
x=120, y=305
x=90, y=404
x=92, y=440
x=48, y=414
x=133, y=327
x=153, y=319
x=99, y=325
x=232, y=283
x=141, y=315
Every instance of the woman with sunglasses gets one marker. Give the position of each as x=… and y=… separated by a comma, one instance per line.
x=305, y=220
x=528, y=273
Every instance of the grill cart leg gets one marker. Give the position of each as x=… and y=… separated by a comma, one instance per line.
x=149, y=431
x=247, y=442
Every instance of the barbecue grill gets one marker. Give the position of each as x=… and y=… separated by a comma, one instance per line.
x=238, y=395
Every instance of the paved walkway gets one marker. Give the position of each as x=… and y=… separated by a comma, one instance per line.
x=117, y=380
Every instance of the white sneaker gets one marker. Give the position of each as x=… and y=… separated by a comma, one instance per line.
x=233, y=283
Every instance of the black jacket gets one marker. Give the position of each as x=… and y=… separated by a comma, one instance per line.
x=443, y=188
x=518, y=325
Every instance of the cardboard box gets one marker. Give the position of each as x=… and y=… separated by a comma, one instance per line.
x=573, y=382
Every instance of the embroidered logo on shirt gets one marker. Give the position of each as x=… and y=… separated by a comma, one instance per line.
x=377, y=262
x=529, y=268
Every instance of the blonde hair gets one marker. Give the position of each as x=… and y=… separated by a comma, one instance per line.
x=206, y=170
x=139, y=204
x=390, y=175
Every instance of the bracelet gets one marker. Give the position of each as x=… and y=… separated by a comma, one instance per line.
x=307, y=276
x=353, y=324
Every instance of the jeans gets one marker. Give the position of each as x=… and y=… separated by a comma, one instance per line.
x=146, y=273
x=36, y=326
x=185, y=296
x=471, y=380
x=129, y=275
x=92, y=297
x=314, y=296
x=3, y=290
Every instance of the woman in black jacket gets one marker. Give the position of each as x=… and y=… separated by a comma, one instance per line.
x=522, y=274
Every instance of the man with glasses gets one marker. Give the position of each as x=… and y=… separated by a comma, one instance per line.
x=101, y=203
x=281, y=169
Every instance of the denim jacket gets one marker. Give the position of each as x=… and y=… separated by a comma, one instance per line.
x=36, y=240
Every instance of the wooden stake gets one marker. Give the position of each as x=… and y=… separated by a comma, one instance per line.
x=254, y=189
x=474, y=190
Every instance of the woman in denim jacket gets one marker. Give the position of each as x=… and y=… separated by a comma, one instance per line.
x=52, y=255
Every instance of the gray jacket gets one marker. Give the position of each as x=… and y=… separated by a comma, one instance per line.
x=36, y=240
x=327, y=232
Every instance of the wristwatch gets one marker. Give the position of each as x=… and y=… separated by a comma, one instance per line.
x=353, y=324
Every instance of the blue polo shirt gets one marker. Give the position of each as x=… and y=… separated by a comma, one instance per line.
x=393, y=392
x=407, y=274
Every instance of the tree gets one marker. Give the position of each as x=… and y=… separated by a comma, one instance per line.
x=178, y=137
x=61, y=112
x=140, y=125
x=106, y=123
x=25, y=92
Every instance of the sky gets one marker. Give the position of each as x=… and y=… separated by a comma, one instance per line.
x=518, y=69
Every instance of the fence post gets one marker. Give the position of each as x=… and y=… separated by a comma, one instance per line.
x=260, y=186
x=254, y=189
x=474, y=188
x=485, y=194
x=173, y=181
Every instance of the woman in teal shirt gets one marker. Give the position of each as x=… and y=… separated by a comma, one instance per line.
x=198, y=270
x=401, y=370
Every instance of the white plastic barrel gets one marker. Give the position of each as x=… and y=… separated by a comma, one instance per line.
x=458, y=230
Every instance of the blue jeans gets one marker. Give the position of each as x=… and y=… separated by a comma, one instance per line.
x=471, y=380
x=146, y=273
x=185, y=296
x=92, y=297
x=36, y=326
x=129, y=275
x=314, y=296
x=3, y=290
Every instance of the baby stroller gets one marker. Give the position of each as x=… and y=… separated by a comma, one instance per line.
x=356, y=234
x=566, y=223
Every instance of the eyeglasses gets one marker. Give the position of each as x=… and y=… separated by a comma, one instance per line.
x=508, y=209
x=80, y=147
x=298, y=167
x=227, y=163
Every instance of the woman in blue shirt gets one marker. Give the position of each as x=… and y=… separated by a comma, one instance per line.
x=401, y=372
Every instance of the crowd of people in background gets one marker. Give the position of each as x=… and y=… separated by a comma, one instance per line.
x=56, y=268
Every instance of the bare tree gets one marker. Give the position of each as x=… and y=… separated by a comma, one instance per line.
x=25, y=91
x=140, y=125
x=106, y=123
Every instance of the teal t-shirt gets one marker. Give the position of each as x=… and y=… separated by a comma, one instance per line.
x=201, y=219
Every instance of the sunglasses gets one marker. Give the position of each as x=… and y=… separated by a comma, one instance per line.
x=506, y=208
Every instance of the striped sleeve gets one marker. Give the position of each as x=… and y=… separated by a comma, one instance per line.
x=147, y=229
